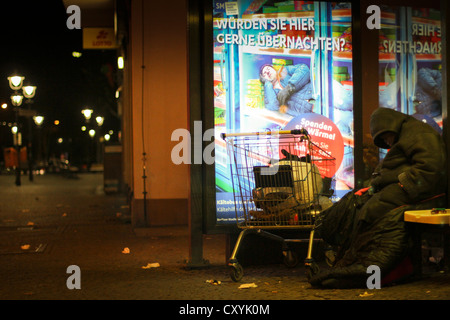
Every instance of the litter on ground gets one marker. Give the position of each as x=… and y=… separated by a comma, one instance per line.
x=151, y=265
x=247, y=285
x=366, y=294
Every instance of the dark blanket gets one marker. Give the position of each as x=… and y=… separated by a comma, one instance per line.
x=385, y=242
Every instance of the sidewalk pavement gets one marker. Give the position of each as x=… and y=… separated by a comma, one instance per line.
x=55, y=222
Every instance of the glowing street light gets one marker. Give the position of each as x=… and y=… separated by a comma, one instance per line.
x=120, y=62
x=99, y=120
x=87, y=113
x=29, y=91
x=15, y=82
x=16, y=100
x=38, y=120
x=92, y=133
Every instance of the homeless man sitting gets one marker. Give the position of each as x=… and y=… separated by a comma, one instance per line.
x=366, y=227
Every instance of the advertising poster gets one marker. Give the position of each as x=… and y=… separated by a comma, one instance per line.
x=282, y=65
x=410, y=62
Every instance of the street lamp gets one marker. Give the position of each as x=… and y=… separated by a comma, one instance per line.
x=99, y=120
x=87, y=113
x=16, y=136
x=15, y=82
x=120, y=62
x=16, y=100
x=38, y=120
x=29, y=91
x=98, y=154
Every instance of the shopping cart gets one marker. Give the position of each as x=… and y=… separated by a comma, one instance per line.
x=281, y=180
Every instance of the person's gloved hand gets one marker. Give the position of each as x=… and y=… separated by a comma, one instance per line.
x=360, y=192
x=284, y=95
x=370, y=190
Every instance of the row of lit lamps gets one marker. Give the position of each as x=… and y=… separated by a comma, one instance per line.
x=16, y=83
x=120, y=59
x=99, y=119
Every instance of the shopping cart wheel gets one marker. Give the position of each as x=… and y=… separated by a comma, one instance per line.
x=290, y=258
x=312, y=268
x=237, y=272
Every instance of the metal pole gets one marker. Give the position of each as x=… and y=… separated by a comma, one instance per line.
x=17, y=145
x=196, y=197
x=445, y=27
x=29, y=151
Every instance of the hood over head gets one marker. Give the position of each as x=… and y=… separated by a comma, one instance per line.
x=385, y=120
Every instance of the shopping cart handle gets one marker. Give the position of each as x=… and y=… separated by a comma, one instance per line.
x=294, y=131
x=300, y=131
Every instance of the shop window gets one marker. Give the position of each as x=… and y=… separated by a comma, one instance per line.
x=262, y=47
x=410, y=78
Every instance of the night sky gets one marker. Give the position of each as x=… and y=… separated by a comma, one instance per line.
x=36, y=43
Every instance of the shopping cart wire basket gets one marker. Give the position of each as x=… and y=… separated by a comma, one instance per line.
x=280, y=180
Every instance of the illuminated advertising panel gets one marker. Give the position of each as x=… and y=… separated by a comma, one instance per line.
x=410, y=62
x=282, y=65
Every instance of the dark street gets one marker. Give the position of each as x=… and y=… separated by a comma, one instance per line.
x=56, y=222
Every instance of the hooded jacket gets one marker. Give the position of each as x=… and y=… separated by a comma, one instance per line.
x=416, y=160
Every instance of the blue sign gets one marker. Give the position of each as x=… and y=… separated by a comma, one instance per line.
x=219, y=6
